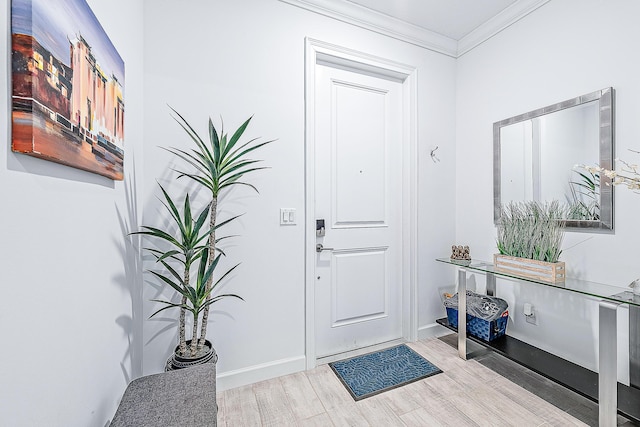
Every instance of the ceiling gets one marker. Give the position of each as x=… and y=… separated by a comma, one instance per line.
x=451, y=27
x=451, y=18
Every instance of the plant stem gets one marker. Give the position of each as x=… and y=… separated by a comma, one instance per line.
x=194, y=335
x=182, y=349
x=212, y=256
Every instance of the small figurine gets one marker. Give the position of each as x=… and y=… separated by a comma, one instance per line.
x=460, y=253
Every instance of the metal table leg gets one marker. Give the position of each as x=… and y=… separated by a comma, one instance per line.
x=608, y=368
x=634, y=345
x=491, y=284
x=462, y=313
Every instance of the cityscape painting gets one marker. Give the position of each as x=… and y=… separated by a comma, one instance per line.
x=68, y=87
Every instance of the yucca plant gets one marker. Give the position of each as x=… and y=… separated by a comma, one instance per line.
x=218, y=164
x=185, y=247
x=531, y=230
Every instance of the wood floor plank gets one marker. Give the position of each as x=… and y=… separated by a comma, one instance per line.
x=304, y=401
x=328, y=387
x=507, y=408
x=241, y=407
x=420, y=418
x=477, y=411
x=446, y=388
x=347, y=415
x=445, y=382
x=441, y=409
x=320, y=420
x=401, y=400
x=334, y=397
x=436, y=355
x=465, y=378
x=273, y=404
x=479, y=371
x=377, y=411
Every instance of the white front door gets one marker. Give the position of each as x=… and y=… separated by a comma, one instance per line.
x=358, y=194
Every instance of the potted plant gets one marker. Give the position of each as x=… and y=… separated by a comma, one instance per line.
x=190, y=243
x=529, y=240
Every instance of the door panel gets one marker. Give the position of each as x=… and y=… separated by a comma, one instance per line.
x=358, y=154
x=358, y=188
x=359, y=286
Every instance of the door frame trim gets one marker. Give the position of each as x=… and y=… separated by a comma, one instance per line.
x=317, y=51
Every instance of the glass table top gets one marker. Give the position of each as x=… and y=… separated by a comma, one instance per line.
x=592, y=289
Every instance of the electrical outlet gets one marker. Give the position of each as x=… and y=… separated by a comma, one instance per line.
x=532, y=319
x=529, y=313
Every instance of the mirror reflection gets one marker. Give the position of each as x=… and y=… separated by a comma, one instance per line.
x=536, y=155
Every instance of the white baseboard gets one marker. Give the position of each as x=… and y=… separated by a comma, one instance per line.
x=256, y=373
x=432, y=330
x=266, y=371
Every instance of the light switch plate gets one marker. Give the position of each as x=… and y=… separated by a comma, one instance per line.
x=287, y=216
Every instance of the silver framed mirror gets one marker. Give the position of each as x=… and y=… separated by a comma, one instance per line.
x=535, y=157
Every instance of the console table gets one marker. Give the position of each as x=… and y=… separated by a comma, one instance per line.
x=611, y=396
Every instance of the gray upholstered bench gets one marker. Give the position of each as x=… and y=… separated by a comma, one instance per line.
x=186, y=397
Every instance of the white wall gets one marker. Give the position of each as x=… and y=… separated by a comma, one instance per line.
x=564, y=49
x=69, y=313
x=212, y=58
x=208, y=58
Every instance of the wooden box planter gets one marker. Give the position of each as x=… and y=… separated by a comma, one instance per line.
x=530, y=268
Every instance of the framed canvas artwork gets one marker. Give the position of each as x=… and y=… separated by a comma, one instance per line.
x=68, y=87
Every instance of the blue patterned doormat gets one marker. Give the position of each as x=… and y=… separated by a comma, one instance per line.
x=367, y=375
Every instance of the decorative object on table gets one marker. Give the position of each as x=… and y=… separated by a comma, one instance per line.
x=68, y=87
x=487, y=316
x=529, y=240
x=553, y=272
x=460, y=253
x=370, y=374
x=219, y=164
x=629, y=176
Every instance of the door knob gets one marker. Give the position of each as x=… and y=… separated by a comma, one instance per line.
x=320, y=248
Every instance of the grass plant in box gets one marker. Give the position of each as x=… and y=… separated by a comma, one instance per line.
x=531, y=231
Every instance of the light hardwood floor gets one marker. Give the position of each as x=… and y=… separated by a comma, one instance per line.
x=464, y=394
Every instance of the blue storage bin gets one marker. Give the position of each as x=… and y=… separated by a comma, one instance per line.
x=479, y=328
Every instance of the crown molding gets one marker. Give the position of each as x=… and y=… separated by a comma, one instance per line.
x=380, y=23
x=493, y=26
